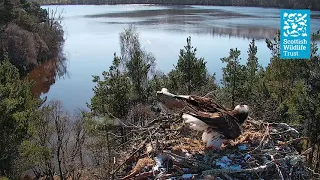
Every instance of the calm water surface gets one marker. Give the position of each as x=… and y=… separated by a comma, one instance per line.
x=92, y=37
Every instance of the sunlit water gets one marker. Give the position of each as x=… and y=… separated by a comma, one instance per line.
x=92, y=37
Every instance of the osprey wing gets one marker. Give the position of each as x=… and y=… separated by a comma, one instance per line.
x=199, y=103
x=223, y=123
x=170, y=101
x=178, y=102
x=203, y=103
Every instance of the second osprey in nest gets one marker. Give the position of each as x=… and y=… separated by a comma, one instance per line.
x=203, y=114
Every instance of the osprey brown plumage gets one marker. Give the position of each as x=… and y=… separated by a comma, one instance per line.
x=178, y=102
x=203, y=114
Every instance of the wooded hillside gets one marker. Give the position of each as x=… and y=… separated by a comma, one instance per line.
x=29, y=34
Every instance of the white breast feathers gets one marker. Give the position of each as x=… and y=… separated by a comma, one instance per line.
x=213, y=139
x=194, y=122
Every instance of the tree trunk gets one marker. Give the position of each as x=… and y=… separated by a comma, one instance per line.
x=59, y=145
x=234, y=83
x=312, y=156
x=317, y=161
x=81, y=157
x=59, y=163
x=109, y=153
x=123, y=140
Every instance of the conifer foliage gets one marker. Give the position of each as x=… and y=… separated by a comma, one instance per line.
x=17, y=109
x=190, y=74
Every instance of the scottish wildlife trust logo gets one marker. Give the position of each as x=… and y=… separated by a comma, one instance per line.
x=294, y=34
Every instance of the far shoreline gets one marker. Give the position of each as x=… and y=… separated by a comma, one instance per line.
x=66, y=4
x=178, y=4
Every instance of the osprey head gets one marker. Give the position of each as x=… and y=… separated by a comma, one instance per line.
x=241, y=112
x=241, y=108
x=163, y=90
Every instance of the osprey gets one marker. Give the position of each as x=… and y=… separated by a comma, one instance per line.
x=203, y=114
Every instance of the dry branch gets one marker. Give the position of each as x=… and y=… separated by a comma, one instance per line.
x=278, y=169
x=134, y=153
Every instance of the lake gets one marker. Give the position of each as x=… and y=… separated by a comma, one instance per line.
x=92, y=37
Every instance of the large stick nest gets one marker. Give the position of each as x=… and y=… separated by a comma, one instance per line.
x=167, y=149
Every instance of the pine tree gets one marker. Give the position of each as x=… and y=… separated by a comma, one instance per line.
x=111, y=102
x=138, y=64
x=309, y=106
x=282, y=76
x=234, y=76
x=111, y=95
x=252, y=68
x=17, y=108
x=190, y=73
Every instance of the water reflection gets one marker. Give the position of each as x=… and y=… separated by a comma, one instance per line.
x=190, y=25
x=218, y=22
x=173, y=11
x=258, y=33
x=46, y=74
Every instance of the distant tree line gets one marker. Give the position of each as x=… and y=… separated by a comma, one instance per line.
x=308, y=4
